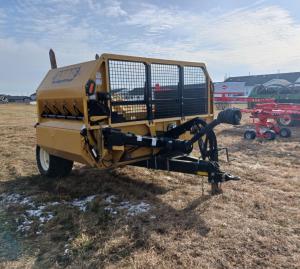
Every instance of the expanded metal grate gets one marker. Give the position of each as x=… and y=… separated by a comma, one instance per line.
x=127, y=87
x=195, y=98
x=165, y=90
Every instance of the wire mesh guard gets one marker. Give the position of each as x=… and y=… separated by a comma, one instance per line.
x=170, y=94
x=165, y=90
x=127, y=87
x=195, y=95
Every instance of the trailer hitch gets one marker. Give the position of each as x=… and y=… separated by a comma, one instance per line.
x=191, y=165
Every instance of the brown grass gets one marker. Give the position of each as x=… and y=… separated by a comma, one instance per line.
x=254, y=224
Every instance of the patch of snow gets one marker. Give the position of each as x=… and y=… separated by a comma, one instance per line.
x=137, y=209
x=10, y=198
x=53, y=203
x=111, y=210
x=46, y=218
x=110, y=199
x=23, y=228
x=132, y=209
x=34, y=212
x=15, y=198
x=82, y=204
x=42, y=215
x=124, y=205
x=27, y=201
x=25, y=224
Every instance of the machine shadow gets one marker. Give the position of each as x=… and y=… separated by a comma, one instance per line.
x=162, y=220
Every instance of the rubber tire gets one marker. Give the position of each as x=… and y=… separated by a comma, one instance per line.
x=249, y=134
x=58, y=167
x=285, y=132
x=270, y=135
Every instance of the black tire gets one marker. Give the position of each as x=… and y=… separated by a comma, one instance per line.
x=56, y=166
x=270, y=135
x=285, y=132
x=249, y=134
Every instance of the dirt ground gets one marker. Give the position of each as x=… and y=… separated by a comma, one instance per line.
x=137, y=218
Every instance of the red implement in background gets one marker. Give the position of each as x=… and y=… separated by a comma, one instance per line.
x=266, y=119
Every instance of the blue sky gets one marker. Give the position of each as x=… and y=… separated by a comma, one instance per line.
x=232, y=37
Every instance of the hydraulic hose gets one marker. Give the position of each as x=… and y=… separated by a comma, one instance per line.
x=230, y=116
x=209, y=146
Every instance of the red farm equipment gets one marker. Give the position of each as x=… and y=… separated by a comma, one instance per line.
x=224, y=100
x=289, y=113
x=266, y=119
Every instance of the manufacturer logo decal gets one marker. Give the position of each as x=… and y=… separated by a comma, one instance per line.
x=66, y=75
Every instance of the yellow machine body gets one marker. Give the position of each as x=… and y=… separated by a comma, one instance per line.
x=63, y=96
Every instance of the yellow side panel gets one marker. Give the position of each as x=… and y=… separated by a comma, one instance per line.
x=65, y=143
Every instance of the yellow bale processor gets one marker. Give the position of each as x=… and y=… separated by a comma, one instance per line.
x=122, y=110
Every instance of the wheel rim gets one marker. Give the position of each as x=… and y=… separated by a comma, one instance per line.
x=283, y=133
x=44, y=159
x=248, y=135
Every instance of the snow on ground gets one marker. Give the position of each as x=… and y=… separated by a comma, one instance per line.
x=32, y=213
x=41, y=213
x=25, y=224
x=82, y=204
x=132, y=209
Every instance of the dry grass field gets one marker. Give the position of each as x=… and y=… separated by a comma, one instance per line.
x=138, y=218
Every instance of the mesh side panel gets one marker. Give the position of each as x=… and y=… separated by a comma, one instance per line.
x=169, y=96
x=194, y=91
x=127, y=87
x=165, y=90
